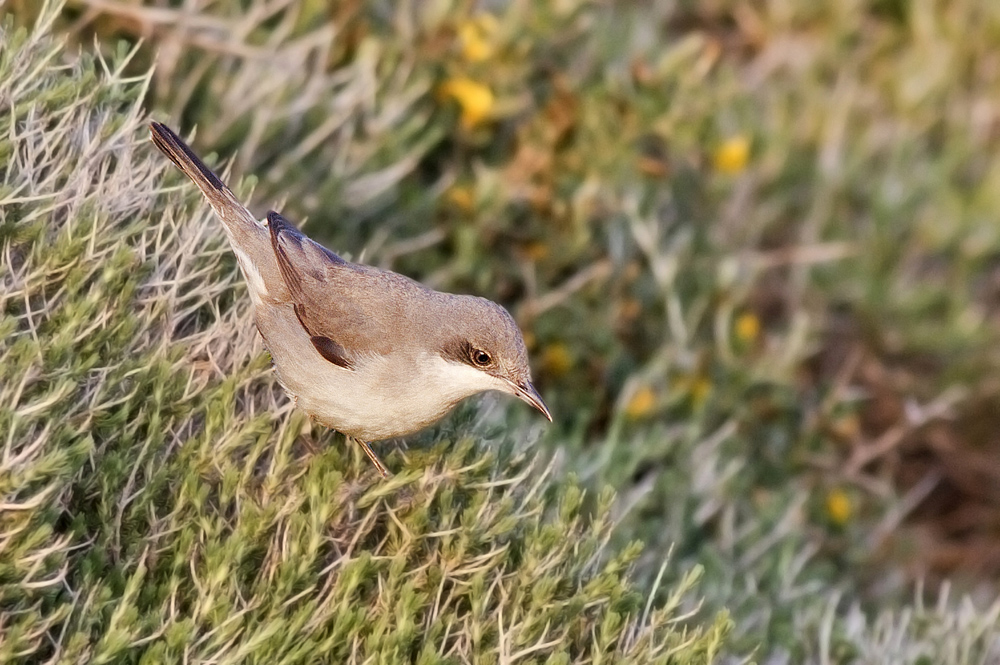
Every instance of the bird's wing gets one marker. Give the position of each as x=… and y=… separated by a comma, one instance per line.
x=344, y=307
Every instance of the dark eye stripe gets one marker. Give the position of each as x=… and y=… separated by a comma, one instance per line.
x=463, y=351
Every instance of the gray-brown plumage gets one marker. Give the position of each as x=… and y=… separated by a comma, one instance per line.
x=368, y=352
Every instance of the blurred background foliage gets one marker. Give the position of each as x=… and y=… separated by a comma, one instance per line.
x=755, y=247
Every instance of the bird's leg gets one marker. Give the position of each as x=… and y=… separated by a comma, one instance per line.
x=374, y=458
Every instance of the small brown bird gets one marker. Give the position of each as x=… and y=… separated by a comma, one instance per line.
x=368, y=352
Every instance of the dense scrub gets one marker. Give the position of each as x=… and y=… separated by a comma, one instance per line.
x=753, y=244
x=161, y=500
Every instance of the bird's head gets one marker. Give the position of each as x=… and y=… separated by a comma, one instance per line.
x=485, y=348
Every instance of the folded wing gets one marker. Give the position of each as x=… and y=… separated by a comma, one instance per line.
x=344, y=307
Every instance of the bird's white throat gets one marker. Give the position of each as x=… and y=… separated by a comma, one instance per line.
x=386, y=395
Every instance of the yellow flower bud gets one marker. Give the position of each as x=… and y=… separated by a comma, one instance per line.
x=747, y=327
x=556, y=359
x=641, y=404
x=838, y=506
x=474, y=37
x=731, y=157
x=475, y=99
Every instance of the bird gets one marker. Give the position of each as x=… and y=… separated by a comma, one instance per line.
x=368, y=352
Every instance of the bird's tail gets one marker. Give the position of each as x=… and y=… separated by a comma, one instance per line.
x=238, y=220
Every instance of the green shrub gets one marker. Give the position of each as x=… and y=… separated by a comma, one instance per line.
x=162, y=501
x=748, y=239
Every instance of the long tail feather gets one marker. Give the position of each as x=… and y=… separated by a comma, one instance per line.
x=233, y=213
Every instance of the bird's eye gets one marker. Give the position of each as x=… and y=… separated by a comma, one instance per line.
x=481, y=358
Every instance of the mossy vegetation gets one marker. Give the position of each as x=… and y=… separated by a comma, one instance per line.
x=163, y=502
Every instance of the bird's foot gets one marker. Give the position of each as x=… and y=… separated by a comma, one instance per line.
x=384, y=472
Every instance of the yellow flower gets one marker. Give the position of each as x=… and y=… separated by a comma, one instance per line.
x=475, y=36
x=641, y=404
x=475, y=99
x=557, y=359
x=731, y=157
x=846, y=427
x=536, y=251
x=461, y=197
x=838, y=506
x=747, y=327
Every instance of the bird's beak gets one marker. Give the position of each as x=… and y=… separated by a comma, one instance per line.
x=528, y=393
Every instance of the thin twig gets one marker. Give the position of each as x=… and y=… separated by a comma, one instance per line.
x=596, y=272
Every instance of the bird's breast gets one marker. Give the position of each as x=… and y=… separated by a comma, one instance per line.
x=381, y=397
